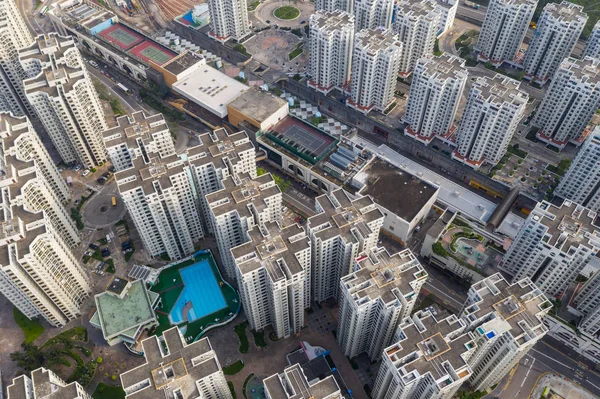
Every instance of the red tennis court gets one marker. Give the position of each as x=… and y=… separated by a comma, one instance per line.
x=121, y=36
x=148, y=51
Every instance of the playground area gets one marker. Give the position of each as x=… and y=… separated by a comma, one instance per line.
x=194, y=297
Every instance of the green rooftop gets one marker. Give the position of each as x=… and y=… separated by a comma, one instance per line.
x=117, y=315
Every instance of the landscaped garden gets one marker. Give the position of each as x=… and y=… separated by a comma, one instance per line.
x=171, y=285
x=31, y=328
x=105, y=391
x=286, y=12
x=66, y=354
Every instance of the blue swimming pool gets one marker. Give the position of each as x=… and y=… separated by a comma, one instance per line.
x=201, y=293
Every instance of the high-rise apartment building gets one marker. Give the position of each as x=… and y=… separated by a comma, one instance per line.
x=45, y=383
x=273, y=275
x=342, y=229
x=330, y=43
x=428, y=359
x=375, y=298
x=492, y=114
x=135, y=135
x=39, y=273
x=161, y=200
x=41, y=187
x=503, y=30
x=581, y=183
x=293, y=379
x=218, y=156
x=375, y=65
x=553, y=246
x=570, y=102
x=416, y=24
x=558, y=30
x=14, y=34
x=239, y=206
x=228, y=19
x=506, y=321
x=447, y=10
x=63, y=96
x=373, y=14
x=592, y=46
x=335, y=5
x=176, y=369
x=587, y=303
x=437, y=86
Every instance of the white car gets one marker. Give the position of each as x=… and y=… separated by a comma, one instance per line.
x=85, y=173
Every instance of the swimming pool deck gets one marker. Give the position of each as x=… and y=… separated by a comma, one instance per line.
x=169, y=287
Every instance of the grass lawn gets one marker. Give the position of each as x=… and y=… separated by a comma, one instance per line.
x=295, y=53
x=31, y=328
x=231, y=389
x=233, y=368
x=259, y=338
x=240, y=330
x=286, y=12
x=105, y=391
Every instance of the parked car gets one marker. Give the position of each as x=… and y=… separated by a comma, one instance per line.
x=105, y=252
x=94, y=246
x=112, y=169
x=101, y=180
x=85, y=173
x=126, y=243
x=77, y=168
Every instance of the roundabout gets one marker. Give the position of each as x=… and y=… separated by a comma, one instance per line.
x=287, y=13
x=98, y=211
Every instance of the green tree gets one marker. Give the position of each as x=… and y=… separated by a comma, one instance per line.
x=30, y=358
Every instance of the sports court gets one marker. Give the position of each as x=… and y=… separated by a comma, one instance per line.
x=121, y=36
x=149, y=51
x=302, y=138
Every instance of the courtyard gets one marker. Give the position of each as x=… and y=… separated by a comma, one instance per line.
x=279, y=49
x=529, y=174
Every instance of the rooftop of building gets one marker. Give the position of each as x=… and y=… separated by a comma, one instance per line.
x=146, y=172
x=182, y=62
x=241, y=192
x=219, y=148
x=518, y=3
x=443, y=67
x=344, y=217
x=331, y=21
x=293, y=384
x=131, y=128
x=417, y=9
x=565, y=12
x=586, y=70
x=376, y=40
x=521, y=305
x=210, y=88
x=429, y=346
x=257, y=104
x=568, y=225
x=125, y=306
x=170, y=367
x=500, y=89
x=377, y=178
x=384, y=276
x=45, y=386
x=273, y=248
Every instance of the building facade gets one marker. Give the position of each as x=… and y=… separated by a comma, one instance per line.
x=416, y=24
x=581, y=183
x=447, y=10
x=373, y=14
x=558, y=30
x=44, y=383
x=228, y=19
x=375, y=298
x=294, y=379
x=341, y=230
x=553, y=246
x=503, y=30
x=63, y=96
x=587, y=305
x=428, y=359
x=331, y=41
x=570, y=102
x=14, y=34
x=239, y=206
x=435, y=92
x=335, y=5
x=494, y=109
x=273, y=275
x=592, y=46
x=375, y=65
x=506, y=321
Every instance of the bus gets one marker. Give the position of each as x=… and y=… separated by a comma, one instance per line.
x=125, y=89
x=114, y=201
